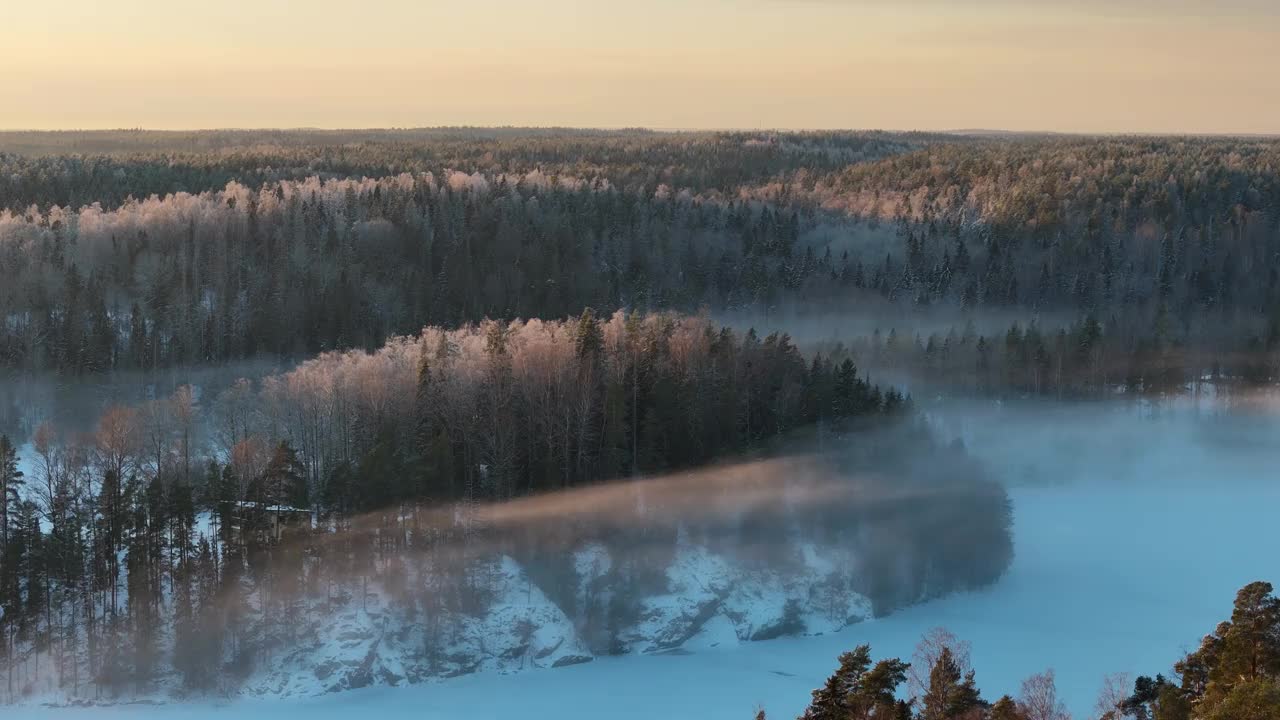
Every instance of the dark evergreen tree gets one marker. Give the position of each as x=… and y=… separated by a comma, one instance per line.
x=950, y=695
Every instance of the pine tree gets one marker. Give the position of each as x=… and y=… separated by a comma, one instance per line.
x=832, y=701
x=828, y=701
x=1251, y=699
x=225, y=491
x=875, y=696
x=1006, y=709
x=10, y=482
x=950, y=695
x=1171, y=704
x=285, y=478
x=1249, y=650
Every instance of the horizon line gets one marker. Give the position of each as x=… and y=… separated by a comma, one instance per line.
x=976, y=131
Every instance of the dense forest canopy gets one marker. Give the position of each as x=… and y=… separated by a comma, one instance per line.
x=165, y=249
x=74, y=168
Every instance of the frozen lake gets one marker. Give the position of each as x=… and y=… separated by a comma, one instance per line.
x=1105, y=580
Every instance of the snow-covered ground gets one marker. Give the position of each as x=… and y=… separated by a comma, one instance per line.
x=1106, y=579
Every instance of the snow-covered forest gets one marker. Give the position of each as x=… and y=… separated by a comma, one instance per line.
x=285, y=413
x=156, y=250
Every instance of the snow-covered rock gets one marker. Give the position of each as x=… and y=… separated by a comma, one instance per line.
x=364, y=634
x=374, y=643
x=710, y=600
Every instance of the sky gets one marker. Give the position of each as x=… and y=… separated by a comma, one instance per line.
x=1163, y=66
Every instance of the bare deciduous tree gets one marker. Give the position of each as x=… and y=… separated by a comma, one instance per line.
x=1111, y=698
x=926, y=655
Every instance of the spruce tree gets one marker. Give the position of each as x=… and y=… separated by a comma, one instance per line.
x=588, y=338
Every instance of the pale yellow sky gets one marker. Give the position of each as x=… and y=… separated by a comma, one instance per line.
x=1085, y=66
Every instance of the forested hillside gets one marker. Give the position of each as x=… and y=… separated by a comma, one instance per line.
x=373, y=407
x=155, y=250
x=107, y=167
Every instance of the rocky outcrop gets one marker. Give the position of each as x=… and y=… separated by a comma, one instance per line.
x=708, y=600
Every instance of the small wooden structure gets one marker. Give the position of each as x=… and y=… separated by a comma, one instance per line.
x=271, y=521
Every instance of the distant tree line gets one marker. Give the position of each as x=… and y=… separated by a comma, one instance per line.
x=1085, y=359
x=1163, y=241
x=108, y=167
x=1167, y=246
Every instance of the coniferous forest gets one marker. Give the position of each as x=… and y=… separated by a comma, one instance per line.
x=252, y=381
x=150, y=250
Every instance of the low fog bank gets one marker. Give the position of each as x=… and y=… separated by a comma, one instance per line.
x=1181, y=441
x=823, y=322
x=1112, y=418
x=74, y=403
x=759, y=549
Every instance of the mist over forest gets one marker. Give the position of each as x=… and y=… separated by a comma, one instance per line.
x=292, y=412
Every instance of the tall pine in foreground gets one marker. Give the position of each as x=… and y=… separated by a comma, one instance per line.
x=950, y=696
x=859, y=691
x=1233, y=675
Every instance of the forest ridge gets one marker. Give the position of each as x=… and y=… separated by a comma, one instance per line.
x=136, y=250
